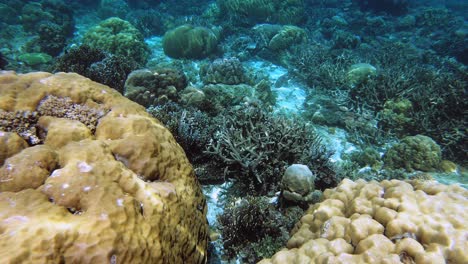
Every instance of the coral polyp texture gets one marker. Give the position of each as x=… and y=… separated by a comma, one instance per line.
x=387, y=222
x=120, y=192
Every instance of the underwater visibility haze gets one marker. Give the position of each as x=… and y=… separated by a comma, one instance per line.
x=233, y=131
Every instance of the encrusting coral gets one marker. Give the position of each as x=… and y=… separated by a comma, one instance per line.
x=122, y=193
x=387, y=222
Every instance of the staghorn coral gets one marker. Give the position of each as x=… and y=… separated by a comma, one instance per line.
x=250, y=12
x=124, y=193
x=387, y=222
x=253, y=228
x=255, y=148
x=193, y=130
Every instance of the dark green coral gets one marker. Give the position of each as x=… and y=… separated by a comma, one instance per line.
x=118, y=37
x=190, y=42
x=414, y=153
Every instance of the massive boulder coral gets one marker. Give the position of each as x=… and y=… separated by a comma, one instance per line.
x=190, y=42
x=118, y=37
x=122, y=193
x=414, y=153
x=387, y=222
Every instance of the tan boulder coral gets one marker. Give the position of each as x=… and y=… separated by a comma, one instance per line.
x=107, y=183
x=388, y=222
x=298, y=183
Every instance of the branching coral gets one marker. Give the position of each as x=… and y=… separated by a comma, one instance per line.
x=251, y=12
x=431, y=88
x=253, y=229
x=99, y=66
x=256, y=147
x=193, y=130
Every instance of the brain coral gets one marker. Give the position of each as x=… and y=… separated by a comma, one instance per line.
x=124, y=193
x=388, y=222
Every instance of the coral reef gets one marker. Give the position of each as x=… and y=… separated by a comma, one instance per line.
x=256, y=148
x=256, y=221
x=153, y=87
x=251, y=12
x=225, y=70
x=112, y=71
x=394, y=7
x=3, y=62
x=51, y=20
x=367, y=157
x=414, y=153
x=33, y=59
x=220, y=96
x=123, y=193
x=113, y=8
x=286, y=37
x=189, y=42
x=108, y=69
x=79, y=59
x=359, y=73
x=193, y=130
x=35, y=14
x=51, y=38
x=388, y=222
x=395, y=116
x=149, y=22
x=118, y=37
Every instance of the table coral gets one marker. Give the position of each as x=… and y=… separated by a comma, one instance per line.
x=124, y=193
x=387, y=222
